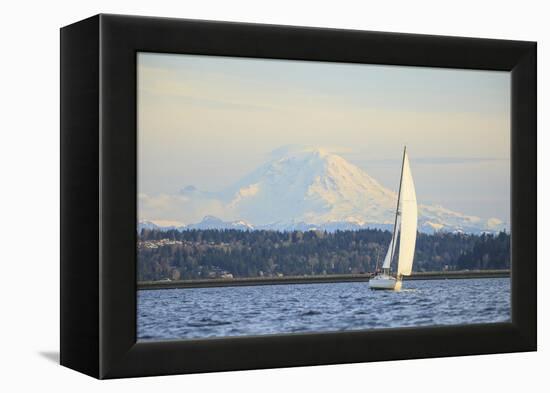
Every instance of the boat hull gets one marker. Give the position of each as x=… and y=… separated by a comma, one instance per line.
x=384, y=282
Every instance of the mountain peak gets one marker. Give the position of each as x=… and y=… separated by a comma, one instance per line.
x=311, y=185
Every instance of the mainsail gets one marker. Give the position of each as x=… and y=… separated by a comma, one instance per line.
x=409, y=217
x=405, y=223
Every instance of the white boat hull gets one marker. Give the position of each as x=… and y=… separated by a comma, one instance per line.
x=384, y=282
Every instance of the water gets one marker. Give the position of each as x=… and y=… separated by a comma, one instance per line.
x=272, y=309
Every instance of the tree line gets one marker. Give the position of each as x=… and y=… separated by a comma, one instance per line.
x=196, y=254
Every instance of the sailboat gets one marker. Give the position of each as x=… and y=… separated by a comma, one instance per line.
x=404, y=228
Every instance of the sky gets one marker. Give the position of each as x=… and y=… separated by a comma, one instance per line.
x=207, y=121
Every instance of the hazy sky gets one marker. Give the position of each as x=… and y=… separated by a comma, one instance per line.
x=208, y=120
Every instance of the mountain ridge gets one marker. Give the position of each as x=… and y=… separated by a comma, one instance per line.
x=312, y=188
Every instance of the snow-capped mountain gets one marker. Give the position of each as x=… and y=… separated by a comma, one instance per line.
x=160, y=224
x=144, y=224
x=211, y=222
x=311, y=188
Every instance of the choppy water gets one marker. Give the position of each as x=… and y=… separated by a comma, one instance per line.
x=271, y=309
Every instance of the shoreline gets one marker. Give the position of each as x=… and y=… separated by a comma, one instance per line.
x=321, y=279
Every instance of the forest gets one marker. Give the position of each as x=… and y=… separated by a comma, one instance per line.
x=194, y=254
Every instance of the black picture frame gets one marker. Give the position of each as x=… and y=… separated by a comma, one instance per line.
x=98, y=195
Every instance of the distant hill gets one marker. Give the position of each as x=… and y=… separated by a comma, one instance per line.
x=211, y=253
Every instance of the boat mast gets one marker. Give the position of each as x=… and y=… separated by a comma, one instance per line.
x=397, y=207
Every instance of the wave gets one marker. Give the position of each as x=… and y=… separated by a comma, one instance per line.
x=204, y=322
x=310, y=313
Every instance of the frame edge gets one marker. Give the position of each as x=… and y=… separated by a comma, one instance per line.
x=79, y=147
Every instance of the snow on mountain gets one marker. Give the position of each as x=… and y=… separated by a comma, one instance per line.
x=211, y=222
x=208, y=222
x=311, y=188
x=144, y=224
x=159, y=224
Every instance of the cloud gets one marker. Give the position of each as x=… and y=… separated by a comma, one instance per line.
x=386, y=162
x=179, y=208
x=457, y=160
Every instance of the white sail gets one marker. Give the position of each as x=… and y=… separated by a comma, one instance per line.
x=409, y=218
x=391, y=250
